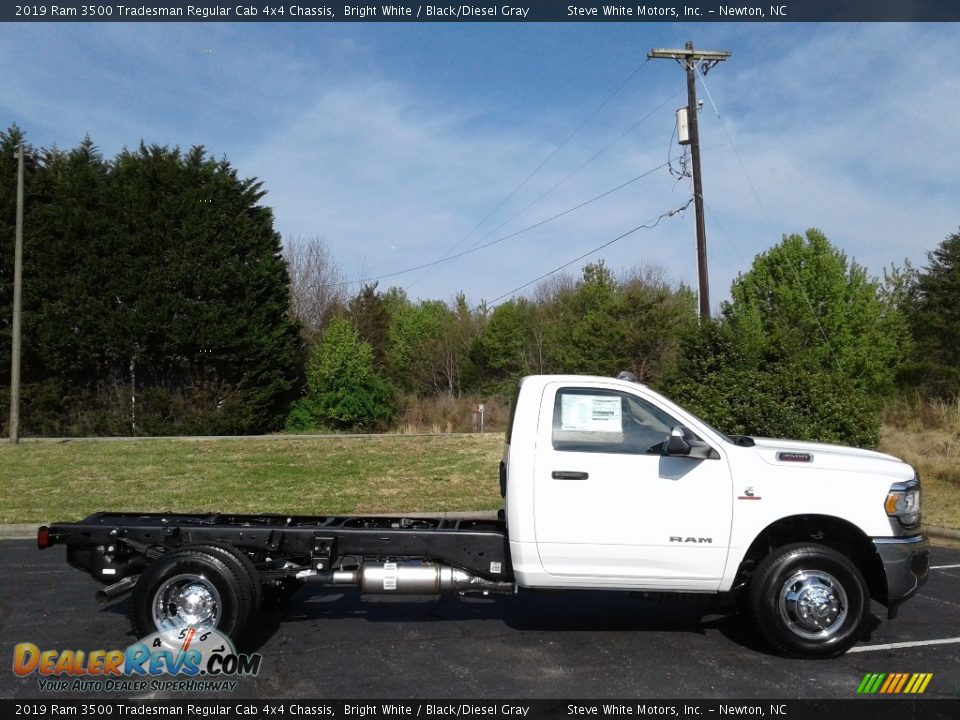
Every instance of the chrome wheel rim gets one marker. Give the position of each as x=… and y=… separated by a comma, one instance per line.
x=813, y=604
x=186, y=601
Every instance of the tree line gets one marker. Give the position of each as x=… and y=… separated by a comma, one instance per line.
x=375, y=350
x=158, y=299
x=155, y=295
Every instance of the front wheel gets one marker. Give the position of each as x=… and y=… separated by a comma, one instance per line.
x=809, y=601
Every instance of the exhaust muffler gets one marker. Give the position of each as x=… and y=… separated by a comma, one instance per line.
x=415, y=578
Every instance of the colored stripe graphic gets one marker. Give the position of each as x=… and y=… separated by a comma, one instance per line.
x=871, y=683
x=894, y=683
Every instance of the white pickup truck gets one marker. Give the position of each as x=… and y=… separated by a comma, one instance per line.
x=607, y=486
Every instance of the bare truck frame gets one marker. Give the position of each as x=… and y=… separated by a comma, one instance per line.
x=185, y=569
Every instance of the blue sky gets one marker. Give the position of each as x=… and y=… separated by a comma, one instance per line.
x=392, y=142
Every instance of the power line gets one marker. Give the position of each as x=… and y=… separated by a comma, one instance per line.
x=539, y=167
x=763, y=209
x=583, y=165
x=544, y=194
x=477, y=248
x=646, y=226
x=684, y=171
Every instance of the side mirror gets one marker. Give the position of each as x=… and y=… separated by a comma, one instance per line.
x=683, y=443
x=676, y=444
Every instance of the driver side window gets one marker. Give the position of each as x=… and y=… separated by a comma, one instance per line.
x=609, y=421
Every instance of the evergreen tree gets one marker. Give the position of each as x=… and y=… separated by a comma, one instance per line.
x=155, y=296
x=66, y=304
x=202, y=305
x=934, y=314
x=370, y=313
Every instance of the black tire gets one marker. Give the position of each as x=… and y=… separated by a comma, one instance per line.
x=201, y=572
x=809, y=601
x=243, y=567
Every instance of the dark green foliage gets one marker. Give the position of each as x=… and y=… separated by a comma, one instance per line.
x=155, y=297
x=369, y=312
x=805, y=349
x=430, y=345
x=343, y=389
x=205, y=298
x=510, y=344
x=802, y=301
x=587, y=332
x=717, y=379
x=602, y=325
x=67, y=314
x=934, y=315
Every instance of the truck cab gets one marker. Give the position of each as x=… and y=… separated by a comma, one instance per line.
x=609, y=484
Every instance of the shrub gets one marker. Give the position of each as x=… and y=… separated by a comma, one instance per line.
x=784, y=399
x=343, y=390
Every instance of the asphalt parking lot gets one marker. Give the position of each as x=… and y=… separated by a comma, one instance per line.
x=535, y=645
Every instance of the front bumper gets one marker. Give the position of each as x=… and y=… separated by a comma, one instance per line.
x=905, y=563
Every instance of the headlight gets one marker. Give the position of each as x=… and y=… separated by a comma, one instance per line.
x=903, y=503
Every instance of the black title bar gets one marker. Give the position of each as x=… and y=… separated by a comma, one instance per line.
x=518, y=11
x=50, y=707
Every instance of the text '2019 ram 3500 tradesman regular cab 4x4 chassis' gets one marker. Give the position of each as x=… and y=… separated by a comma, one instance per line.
x=608, y=486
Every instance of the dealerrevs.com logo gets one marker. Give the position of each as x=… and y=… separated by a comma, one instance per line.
x=194, y=661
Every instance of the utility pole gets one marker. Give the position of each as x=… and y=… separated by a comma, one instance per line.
x=690, y=58
x=17, y=291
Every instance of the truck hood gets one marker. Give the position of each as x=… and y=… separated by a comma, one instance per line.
x=798, y=454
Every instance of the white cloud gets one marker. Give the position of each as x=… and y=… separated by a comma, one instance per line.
x=375, y=166
x=847, y=133
x=849, y=128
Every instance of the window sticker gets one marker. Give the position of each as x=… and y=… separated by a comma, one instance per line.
x=591, y=413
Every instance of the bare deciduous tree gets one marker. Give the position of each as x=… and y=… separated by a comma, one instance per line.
x=317, y=291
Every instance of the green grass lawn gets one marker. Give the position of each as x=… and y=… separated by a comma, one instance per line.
x=44, y=482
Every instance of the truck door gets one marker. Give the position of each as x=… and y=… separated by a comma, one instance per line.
x=611, y=508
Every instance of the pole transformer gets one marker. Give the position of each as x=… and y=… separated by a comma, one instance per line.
x=17, y=310
x=690, y=58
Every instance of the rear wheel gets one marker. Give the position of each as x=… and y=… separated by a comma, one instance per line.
x=194, y=587
x=242, y=567
x=809, y=601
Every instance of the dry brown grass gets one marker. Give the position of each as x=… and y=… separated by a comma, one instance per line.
x=445, y=414
x=926, y=434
